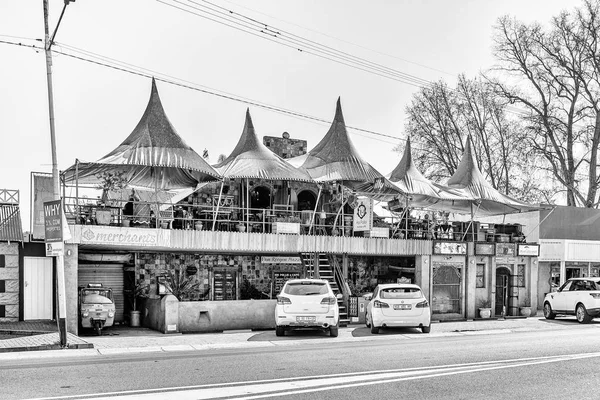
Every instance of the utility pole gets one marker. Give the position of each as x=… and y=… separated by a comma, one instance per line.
x=60, y=261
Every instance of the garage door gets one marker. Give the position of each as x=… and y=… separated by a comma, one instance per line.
x=110, y=276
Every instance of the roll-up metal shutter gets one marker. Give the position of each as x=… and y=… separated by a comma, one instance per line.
x=110, y=276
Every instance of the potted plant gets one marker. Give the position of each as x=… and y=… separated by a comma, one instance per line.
x=485, y=308
x=108, y=181
x=525, y=310
x=140, y=290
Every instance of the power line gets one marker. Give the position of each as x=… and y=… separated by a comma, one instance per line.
x=131, y=69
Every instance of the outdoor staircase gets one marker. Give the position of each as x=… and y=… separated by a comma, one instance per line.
x=324, y=270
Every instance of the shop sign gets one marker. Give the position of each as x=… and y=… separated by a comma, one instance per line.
x=191, y=270
x=505, y=249
x=53, y=228
x=363, y=215
x=280, y=260
x=449, y=248
x=97, y=234
x=485, y=249
x=529, y=250
x=55, y=249
x=279, y=278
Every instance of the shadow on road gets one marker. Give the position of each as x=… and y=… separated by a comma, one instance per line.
x=361, y=332
x=291, y=335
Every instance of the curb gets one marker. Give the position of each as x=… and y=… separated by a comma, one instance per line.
x=72, y=346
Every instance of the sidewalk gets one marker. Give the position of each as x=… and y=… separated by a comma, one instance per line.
x=124, y=339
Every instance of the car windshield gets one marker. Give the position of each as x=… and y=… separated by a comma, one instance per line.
x=305, y=288
x=96, y=297
x=400, y=293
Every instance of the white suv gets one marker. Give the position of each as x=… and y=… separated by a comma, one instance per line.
x=577, y=296
x=307, y=304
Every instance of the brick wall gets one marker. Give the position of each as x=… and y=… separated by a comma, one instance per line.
x=9, y=275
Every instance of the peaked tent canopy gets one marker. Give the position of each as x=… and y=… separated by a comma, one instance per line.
x=153, y=156
x=469, y=181
x=423, y=192
x=335, y=158
x=252, y=159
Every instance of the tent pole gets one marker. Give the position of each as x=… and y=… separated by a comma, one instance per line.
x=312, y=217
x=218, y=204
x=343, y=221
x=248, y=205
x=77, y=210
x=406, y=219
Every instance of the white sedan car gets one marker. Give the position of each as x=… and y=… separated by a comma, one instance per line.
x=577, y=296
x=398, y=305
x=307, y=304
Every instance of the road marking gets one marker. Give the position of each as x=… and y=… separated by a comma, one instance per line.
x=248, y=390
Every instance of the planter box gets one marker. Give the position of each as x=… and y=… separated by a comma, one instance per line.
x=286, y=227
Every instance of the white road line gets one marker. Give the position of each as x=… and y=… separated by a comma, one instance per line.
x=298, y=385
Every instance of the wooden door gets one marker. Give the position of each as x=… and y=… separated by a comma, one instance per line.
x=37, y=288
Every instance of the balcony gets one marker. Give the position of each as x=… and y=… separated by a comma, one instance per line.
x=229, y=229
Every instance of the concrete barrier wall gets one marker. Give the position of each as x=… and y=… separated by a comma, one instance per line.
x=210, y=316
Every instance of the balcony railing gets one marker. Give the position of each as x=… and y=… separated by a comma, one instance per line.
x=278, y=219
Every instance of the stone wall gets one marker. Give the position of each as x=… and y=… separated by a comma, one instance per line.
x=9, y=282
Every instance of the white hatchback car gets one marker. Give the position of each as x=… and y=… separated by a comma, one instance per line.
x=307, y=304
x=577, y=296
x=398, y=305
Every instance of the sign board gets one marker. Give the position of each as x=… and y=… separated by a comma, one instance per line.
x=485, y=249
x=449, y=248
x=53, y=221
x=378, y=232
x=280, y=260
x=286, y=227
x=279, y=278
x=363, y=215
x=43, y=190
x=529, y=250
x=505, y=249
x=98, y=234
x=55, y=249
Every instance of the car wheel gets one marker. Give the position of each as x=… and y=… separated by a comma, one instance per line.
x=548, y=313
x=367, y=322
x=279, y=331
x=333, y=331
x=582, y=315
x=426, y=329
x=374, y=329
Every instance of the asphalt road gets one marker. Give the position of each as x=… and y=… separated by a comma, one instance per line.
x=530, y=365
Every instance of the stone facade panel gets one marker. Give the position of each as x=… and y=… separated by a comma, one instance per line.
x=9, y=273
x=9, y=298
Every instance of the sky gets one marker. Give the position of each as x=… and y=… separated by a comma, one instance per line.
x=97, y=107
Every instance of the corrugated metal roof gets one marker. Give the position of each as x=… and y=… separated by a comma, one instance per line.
x=10, y=223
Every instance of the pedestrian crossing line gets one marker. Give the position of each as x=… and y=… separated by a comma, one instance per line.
x=248, y=390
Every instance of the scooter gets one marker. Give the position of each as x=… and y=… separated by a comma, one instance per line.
x=96, y=307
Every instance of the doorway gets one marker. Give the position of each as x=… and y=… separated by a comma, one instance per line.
x=260, y=198
x=37, y=288
x=306, y=200
x=502, y=291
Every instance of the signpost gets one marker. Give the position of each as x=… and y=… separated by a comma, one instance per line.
x=53, y=229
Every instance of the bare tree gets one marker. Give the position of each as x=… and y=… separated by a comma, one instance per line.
x=441, y=118
x=554, y=74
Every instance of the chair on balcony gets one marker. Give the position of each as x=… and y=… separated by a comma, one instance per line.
x=224, y=212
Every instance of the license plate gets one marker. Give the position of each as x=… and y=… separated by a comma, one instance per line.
x=402, y=306
x=306, y=319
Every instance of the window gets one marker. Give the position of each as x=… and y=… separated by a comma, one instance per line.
x=2, y=286
x=401, y=293
x=2, y=261
x=521, y=275
x=306, y=288
x=480, y=276
x=2, y=311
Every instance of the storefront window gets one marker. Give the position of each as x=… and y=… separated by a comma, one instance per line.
x=576, y=270
x=555, y=275
x=446, y=289
x=480, y=276
x=521, y=275
x=595, y=270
